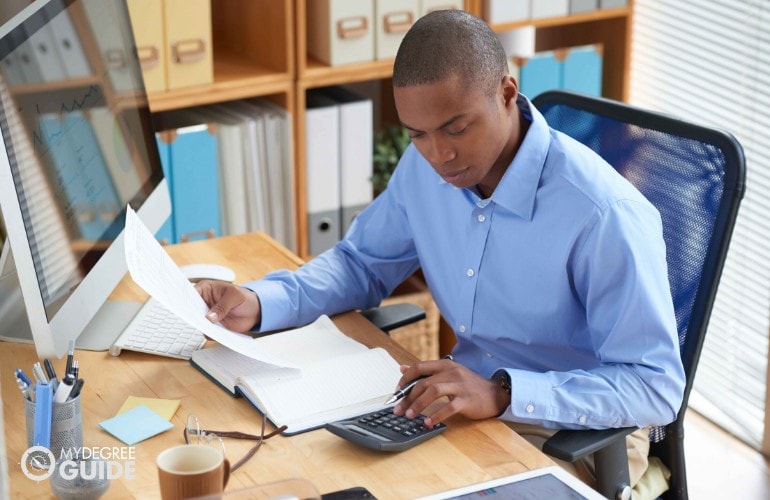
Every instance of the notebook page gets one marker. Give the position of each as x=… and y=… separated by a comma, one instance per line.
x=327, y=390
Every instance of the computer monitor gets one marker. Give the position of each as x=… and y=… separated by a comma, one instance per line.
x=77, y=147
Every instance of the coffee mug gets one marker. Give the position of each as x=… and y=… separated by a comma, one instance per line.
x=192, y=470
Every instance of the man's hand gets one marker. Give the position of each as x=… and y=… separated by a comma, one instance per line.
x=236, y=307
x=469, y=394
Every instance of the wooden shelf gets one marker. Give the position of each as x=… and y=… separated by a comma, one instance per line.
x=597, y=15
x=318, y=74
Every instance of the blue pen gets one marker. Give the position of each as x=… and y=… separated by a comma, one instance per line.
x=23, y=377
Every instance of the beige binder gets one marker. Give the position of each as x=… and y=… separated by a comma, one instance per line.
x=188, y=42
x=147, y=22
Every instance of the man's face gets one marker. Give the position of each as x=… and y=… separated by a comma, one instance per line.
x=466, y=135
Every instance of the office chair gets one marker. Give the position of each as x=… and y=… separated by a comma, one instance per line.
x=695, y=177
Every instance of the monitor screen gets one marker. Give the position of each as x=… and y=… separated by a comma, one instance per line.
x=77, y=147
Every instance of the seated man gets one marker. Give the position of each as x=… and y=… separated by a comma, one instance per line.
x=548, y=265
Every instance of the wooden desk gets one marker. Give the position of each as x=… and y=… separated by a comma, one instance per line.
x=467, y=452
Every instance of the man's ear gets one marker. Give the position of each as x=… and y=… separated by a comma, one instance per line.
x=510, y=90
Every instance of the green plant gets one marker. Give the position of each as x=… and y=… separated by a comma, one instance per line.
x=389, y=144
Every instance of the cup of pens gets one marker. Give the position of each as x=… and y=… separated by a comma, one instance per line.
x=66, y=426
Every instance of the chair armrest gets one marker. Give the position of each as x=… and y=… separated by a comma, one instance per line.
x=571, y=445
x=392, y=316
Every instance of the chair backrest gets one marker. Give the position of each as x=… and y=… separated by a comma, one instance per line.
x=695, y=177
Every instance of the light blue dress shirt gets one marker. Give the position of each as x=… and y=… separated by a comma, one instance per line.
x=559, y=278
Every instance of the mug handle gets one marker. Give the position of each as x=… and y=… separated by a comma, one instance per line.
x=227, y=473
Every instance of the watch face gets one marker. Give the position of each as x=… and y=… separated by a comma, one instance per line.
x=37, y=463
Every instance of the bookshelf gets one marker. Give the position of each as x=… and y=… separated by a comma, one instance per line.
x=260, y=50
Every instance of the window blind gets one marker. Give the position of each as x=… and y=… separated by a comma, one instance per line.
x=707, y=61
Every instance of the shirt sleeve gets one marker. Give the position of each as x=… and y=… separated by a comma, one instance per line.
x=620, y=275
x=375, y=256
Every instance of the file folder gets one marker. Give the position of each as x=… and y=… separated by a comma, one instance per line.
x=195, y=183
x=322, y=120
x=583, y=70
x=541, y=72
x=356, y=137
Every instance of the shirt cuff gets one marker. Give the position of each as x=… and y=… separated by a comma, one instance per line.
x=273, y=300
x=530, y=398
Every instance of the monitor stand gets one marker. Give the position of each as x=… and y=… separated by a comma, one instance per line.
x=111, y=319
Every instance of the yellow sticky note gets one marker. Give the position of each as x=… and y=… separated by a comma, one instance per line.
x=163, y=407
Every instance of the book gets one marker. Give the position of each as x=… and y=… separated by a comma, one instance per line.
x=337, y=377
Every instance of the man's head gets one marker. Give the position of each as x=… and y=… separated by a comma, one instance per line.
x=454, y=95
x=448, y=43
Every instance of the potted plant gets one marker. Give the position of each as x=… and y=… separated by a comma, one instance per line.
x=389, y=145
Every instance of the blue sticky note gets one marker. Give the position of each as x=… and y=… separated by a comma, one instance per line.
x=136, y=425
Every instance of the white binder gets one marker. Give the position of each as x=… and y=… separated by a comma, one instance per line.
x=506, y=11
x=68, y=46
x=356, y=138
x=322, y=118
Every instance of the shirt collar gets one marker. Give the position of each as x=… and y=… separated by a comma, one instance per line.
x=518, y=187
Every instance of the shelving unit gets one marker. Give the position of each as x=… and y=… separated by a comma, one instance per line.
x=260, y=50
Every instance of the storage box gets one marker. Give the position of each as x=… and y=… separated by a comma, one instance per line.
x=188, y=43
x=549, y=8
x=506, y=11
x=393, y=18
x=340, y=31
x=149, y=32
x=431, y=5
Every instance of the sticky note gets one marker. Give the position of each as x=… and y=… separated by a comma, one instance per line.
x=166, y=408
x=136, y=425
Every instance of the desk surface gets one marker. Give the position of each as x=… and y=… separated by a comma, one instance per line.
x=467, y=452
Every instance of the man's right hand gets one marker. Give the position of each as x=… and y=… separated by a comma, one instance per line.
x=235, y=307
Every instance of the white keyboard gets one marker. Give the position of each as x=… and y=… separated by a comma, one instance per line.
x=156, y=330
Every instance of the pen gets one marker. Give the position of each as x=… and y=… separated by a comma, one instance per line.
x=404, y=390
x=70, y=355
x=23, y=376
x=75, y=392
x=64, y=389
x=37, y=372
x=52, y=378
x=23, y=387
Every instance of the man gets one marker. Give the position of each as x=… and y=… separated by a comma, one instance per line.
x=548, y=265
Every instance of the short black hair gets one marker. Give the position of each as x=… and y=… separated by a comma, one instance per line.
x=445, y=43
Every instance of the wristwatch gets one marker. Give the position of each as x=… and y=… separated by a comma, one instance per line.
x=503, y=380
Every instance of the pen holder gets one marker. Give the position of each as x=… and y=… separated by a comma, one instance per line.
x=66, y=426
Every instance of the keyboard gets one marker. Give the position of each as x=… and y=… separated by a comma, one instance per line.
x=156, y=330
x=382, y=430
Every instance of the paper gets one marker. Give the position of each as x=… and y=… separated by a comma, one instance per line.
x=157, y=274
x=136, y=425
x=166, y=408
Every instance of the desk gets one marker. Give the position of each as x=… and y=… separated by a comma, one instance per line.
x=467, y=452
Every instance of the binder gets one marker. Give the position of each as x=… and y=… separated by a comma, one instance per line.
x=165, y=235
x=541, y=72
x=583, y=69
x=28, y=64
x=612, y=4
x=12, y=71
x=67, y=44
x=193, y=177
x=45, y=56
x=355, y=147
x=322, y=146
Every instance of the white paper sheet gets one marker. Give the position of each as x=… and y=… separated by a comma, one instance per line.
x=158, y=275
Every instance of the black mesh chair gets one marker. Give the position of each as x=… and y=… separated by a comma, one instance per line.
x=695, y=176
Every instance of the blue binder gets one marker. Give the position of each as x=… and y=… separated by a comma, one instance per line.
x=583, y=70
x=539, y=73
x=194, y=184
x=166, y=232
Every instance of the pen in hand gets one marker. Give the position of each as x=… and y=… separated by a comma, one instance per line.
x=404, y=390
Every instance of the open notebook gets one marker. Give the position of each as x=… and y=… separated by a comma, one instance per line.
x=338, y=377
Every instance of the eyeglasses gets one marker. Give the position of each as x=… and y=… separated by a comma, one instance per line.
x=194, y=434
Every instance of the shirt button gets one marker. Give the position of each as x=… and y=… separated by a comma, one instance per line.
x=462, y=328
x=481, y=218
x=530, y=408
x=582, y=419
x=470, y=273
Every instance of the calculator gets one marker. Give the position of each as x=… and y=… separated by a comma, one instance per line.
x=382, y=430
